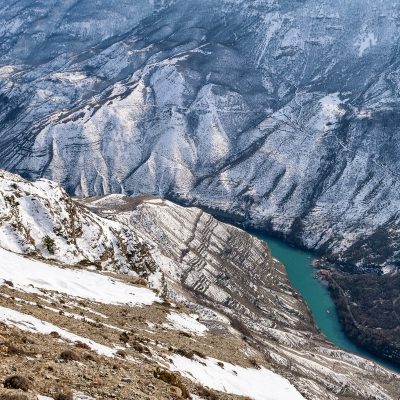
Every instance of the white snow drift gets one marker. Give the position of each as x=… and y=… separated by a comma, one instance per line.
x=186, y=323
x=30, y=275
x=31, y=324
x=258, y=384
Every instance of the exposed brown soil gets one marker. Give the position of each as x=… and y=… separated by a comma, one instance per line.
x=53, y=366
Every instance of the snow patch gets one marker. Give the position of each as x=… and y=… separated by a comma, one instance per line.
x=31, y=324
x=331, y=111
x=186, y=323
x=366, y=41
x=388, y=269
x=7, y=70
x=258, y=384
x=72, y=77
x=30, y=275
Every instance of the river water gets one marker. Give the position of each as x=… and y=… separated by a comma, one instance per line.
x=302, y=277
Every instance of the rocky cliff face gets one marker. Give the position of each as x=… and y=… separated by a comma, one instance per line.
x=283, y=114
x=39, y=219
x=246, y=313
x=210, y=264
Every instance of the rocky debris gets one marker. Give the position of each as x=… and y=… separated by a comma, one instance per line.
x=223, y=297
x=217, y=266
x=55, y=366
x=304, y=145
x=46, y=223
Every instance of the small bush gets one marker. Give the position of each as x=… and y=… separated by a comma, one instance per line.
x=49, y=244
x=199, y=354
x=17, y=382
x=165, y=376
x=11, y=200
x=206, y=393
x=13, y=350
x=140, y=348
x=85, y=263
x=254, y=363
x=13, y=396
x=185, y=334
x=25, y=340
x=89, y=357
x=172, y=379
x=137, y=280
x=81, y=345
x=124, y=337
x=69, y=355
x=121, y=353
x=65, y=394
x=185, y=353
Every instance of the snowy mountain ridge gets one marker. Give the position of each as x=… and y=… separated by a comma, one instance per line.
x=41, y=219
x=196, y=300
x=275, y=114
x=280, y=114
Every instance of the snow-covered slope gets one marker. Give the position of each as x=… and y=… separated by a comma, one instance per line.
x=223, y=305
x=34, y=320
x=29, y=275
x=234, y=379
x=281, y=113
x=225, y=269
x=41, y=219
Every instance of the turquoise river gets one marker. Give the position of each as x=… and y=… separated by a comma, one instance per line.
x=302, y=276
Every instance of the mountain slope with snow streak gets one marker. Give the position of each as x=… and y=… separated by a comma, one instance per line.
x=199, y=267
x=28, y=323
x=40, y=219
x=225, y=269
x=279, y=113
x=31, y=275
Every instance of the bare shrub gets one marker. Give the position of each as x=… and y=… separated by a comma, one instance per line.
x=206, y=393
x=172, y=379
x=49, y=244
x=185, y=353
x=13, y=350
x=69, y=355
x=81, y=345
x=17, y=382
x=64, y=394
x=121, y=353
x=124, y=337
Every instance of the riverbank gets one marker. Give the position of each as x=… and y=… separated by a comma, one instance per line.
x=367, y=311
x=316, y=294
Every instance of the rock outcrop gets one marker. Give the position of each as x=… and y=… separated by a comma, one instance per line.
x=281, y=114
x=216, y=299
x=212, y=264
